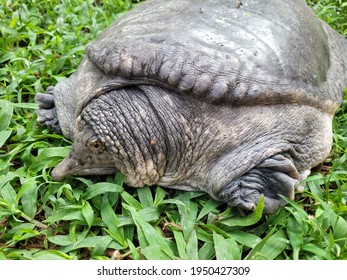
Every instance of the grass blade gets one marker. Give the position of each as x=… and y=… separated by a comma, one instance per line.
x=154, y=239
x=192, y=246
x=51, y=255
x=101, y=246
x=145, y=196
x=28, y=195
x=155, y=252
x=251, y=219
x=4, y=135
x=88, y=213
x=6, y=112
x=180, y=243
x=61, y=240
x=101, y=188
x=209, y=206
x=226, y=249
x=270, y=247
x=134, y=252
x=320, y=253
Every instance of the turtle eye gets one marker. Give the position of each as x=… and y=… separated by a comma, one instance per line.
x=97, y=146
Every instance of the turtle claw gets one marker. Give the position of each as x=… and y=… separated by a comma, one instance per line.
x=275, y=175
x=47, y=113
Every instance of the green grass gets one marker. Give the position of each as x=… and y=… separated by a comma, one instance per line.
x=41, y=43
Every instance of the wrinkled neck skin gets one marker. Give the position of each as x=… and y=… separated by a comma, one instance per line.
x=157, y=137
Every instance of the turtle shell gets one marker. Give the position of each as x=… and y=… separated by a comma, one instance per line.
x=262, y=52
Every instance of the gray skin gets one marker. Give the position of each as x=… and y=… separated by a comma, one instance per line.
x=236, y=101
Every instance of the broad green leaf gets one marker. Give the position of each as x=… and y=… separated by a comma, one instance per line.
x=14, y=20
x=72, y=232
x=216, y=229
x=180, y=243
x=9, y=194
x=48, y=157
x=31, y=106
x=249, y=220
x=172, y=201
x=5, y=204
x=85, y=181
x=131, y=201
x=207, y=251
x=145, y=196
x=314, y=183
x=226, y=249
x=333, y=220
x=67, y=190
x=101, y=188
x=29, y=197
x=150, y=214
x=6, y=178
x=52, y=152
x=4, y=135
x=108, y=215
x=274, y=245
x=51, y=255
x=111, y=221
x=192, y=246
x=209, y=206
x=295, y=234
x=147, y=214
x=188, y=214
x=23, y=234
x=245, y=238
x=340, y=232
x=152, y=236
x=337, y=163
x=59, y=78
x=20, y=254
x=340, y=228
x=319, y=252
x=299, y=210
x=7, y=56
x=89, y=242
x=66, y=215
x=155, y=252
x=159, y=196
x=21, y=227
x=62, y=240
x=251, y=255
x=88, y=213
x=2, y=256
x=134, y=252
x=6, y=112
x=203, y=234
x=326, y=215
x=119, y=179
x=101, y=246
x=141, y=236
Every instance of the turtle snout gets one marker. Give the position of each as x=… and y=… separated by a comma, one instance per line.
x=64, y=168
x=57, y=176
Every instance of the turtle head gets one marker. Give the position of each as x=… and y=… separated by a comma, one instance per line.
x=89, y=155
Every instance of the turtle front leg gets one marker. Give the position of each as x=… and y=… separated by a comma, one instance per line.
x=47, y=113
x=275, y=175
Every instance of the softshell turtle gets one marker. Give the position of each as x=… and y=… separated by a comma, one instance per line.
x=232, y=99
